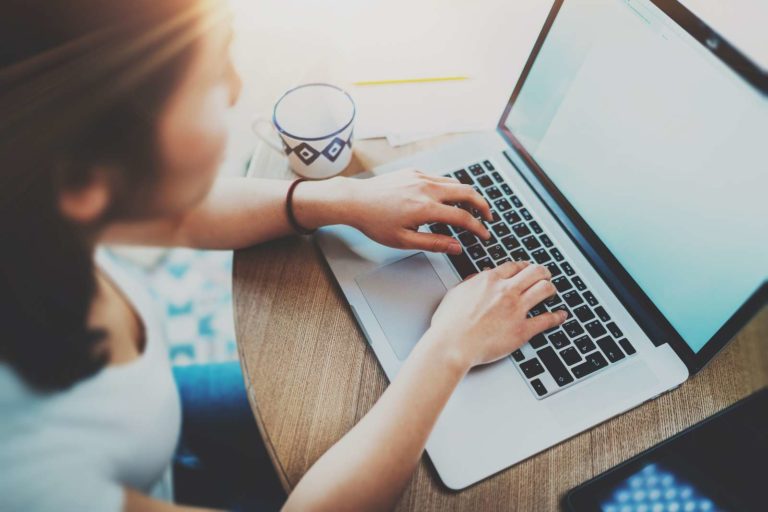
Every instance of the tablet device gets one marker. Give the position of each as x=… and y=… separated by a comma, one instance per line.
x=720, y=464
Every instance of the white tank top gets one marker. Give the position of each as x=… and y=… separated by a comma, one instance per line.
x=76, y=450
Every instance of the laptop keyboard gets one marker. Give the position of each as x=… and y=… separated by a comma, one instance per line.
x=589, y=341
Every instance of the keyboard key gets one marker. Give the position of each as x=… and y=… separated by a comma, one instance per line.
x=476, y=170
x=488, y=165
x=501, y=229
x=519, y=255
x=521, y=230
x=553, y=301
x=584, y=344
x=462, y=264
x=468, y=208
x=536, y=228
x=505, y=188
x=497, y=177
x=502, y=205
x=594, y=362
x=627, y=346
x=487, y=243
x=570, y=356
x=539, y=387
x=573, y=298
x=526, y=214
x=503, y=260
x=516, y=201
x=510, y=243
x=493, y=193
x=531, y=243
x=485, y=264
x=557, y=255
x=583, y=313
x=579, y=283
x=518, y=356
x=512, y=217
x=561, y=307
x=562, y=284
x=558, y=339
x=538, y=309
x=614, y=329
x=591, y=300
x=567, y=268
x=595, y=328
x=602, y=314
x=573, y=329
x=476, y=252
x=441, y=229
x=463, y=177
x=554, y=269
x=555, y=366
x=497, y=252
x=495, y=217
x=610, y=349
x=485, y=181
x=532, y=368
x=546, y=241
x=467, y=239
x=538, y=341
x=541, y=256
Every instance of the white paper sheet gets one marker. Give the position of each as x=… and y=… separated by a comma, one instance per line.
x=485, y=40
x=402, y=139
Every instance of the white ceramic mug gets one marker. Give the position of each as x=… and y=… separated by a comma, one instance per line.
x=315, y=124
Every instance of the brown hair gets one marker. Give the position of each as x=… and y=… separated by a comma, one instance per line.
x=81, y=85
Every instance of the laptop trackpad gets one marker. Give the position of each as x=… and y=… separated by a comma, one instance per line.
x=403, y=296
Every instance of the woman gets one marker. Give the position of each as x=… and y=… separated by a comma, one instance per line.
x=113, y=123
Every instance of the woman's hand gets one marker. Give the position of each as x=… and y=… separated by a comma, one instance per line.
x=485, y=318
x=390, y=208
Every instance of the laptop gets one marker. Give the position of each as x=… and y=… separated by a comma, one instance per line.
x=630, y=160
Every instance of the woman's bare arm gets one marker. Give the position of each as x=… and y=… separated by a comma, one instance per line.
x=370, y=466
x=237, y=213
x=241, y=212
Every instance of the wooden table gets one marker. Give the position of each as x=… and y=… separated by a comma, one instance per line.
x=311, y=377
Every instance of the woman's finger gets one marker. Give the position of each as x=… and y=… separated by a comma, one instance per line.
x=441, y=179
x=529, y=276
x=458, y=193
x=540, y=291
x=538, y=324
x=510, y=268
x=430, y=242
x=460, y=218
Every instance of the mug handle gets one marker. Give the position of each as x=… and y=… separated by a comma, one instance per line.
x=256, y=126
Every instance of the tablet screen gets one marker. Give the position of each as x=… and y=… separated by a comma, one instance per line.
x=718, y=465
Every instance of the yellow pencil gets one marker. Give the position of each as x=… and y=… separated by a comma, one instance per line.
x=412, y=80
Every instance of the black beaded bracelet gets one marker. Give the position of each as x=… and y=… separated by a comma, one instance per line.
x=289, y=210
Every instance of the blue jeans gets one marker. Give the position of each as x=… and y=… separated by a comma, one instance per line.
x=221, y=461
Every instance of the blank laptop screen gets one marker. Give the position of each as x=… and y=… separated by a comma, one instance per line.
x=661, y=148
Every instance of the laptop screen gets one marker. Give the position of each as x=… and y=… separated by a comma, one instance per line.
x=661, y=148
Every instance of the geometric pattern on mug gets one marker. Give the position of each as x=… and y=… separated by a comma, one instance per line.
x=307, y=154
x=334, y=149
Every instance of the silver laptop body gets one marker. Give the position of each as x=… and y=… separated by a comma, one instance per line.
x=496, y=417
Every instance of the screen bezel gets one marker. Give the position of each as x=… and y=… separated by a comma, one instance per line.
x=637, y=302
